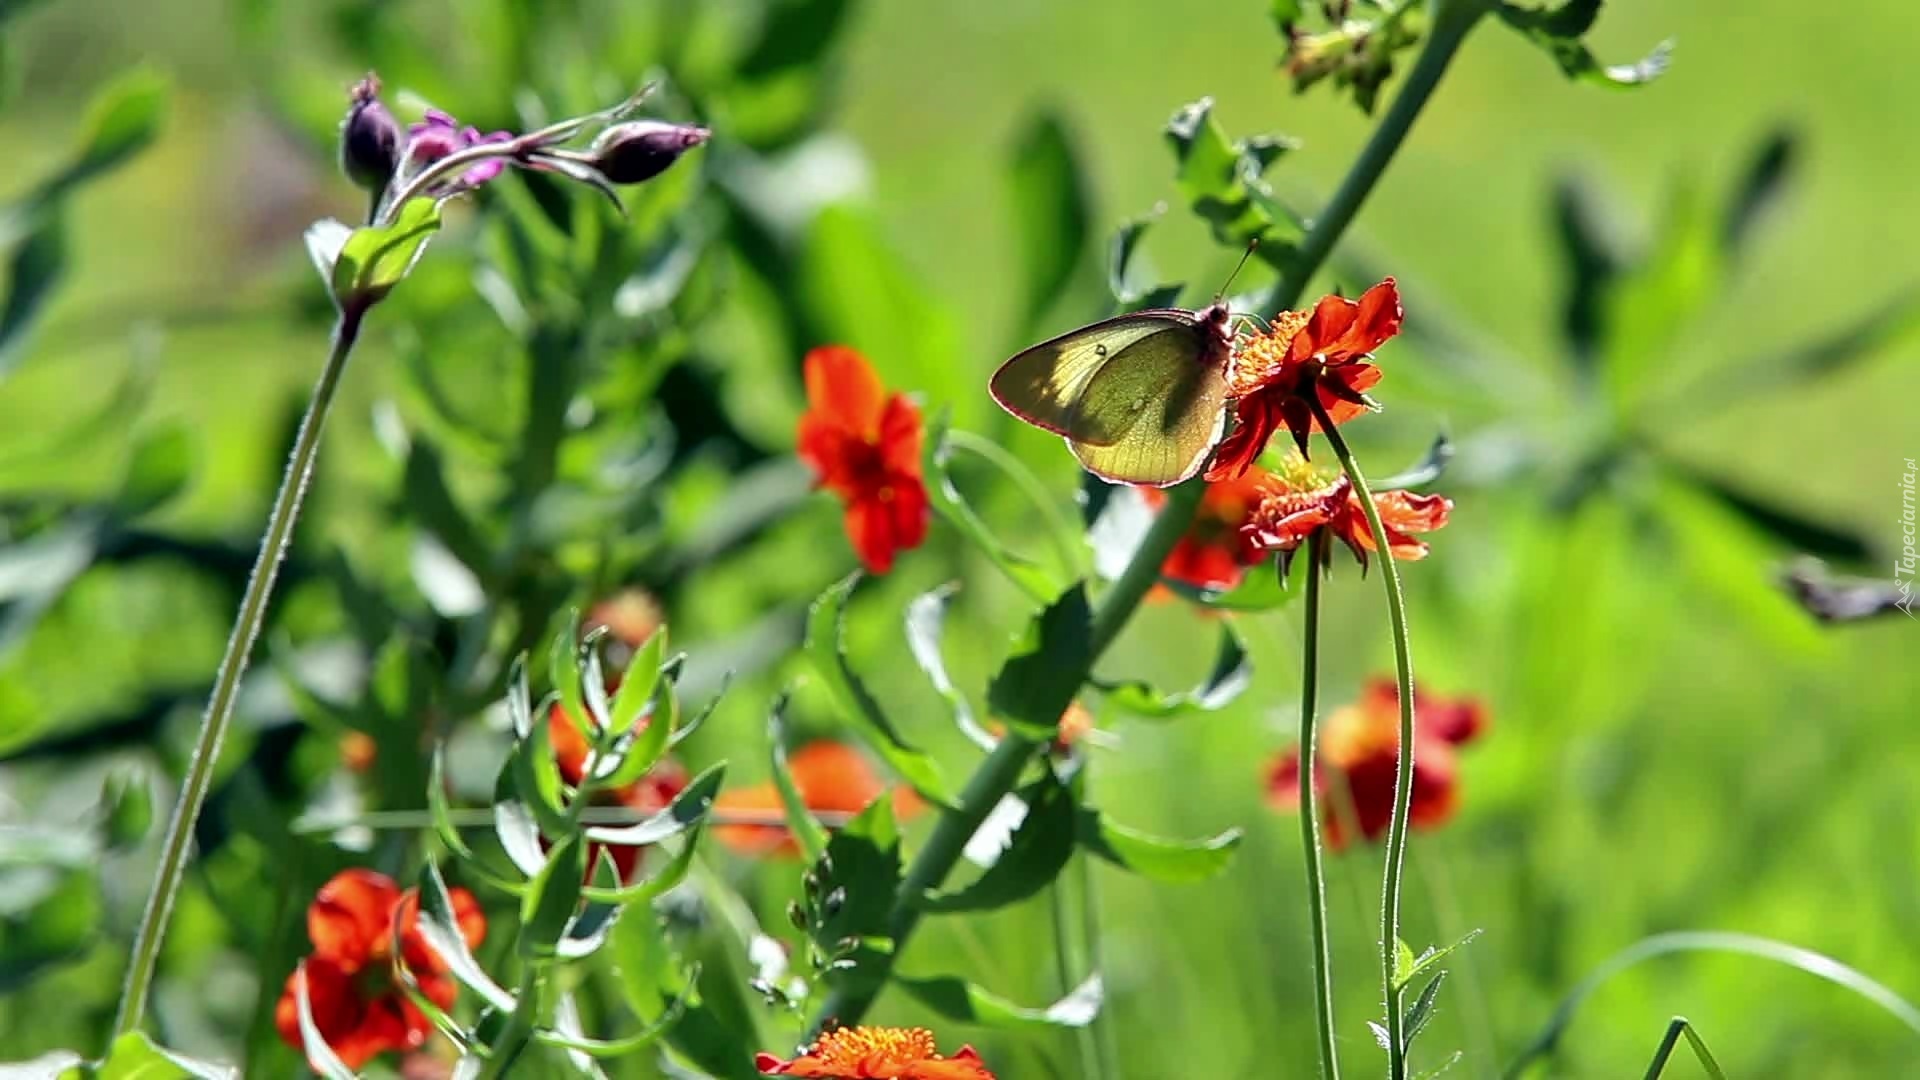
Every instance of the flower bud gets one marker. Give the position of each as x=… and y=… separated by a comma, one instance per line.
x=369, y=138
x=642, y=149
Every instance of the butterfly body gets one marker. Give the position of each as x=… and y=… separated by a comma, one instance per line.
x=1140, y=398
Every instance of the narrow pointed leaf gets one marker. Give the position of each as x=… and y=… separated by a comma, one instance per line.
x=806, y=829
x=687, y=810
x=1046, y=667
x=1164, y=860
x=926, y=622
x=1231, y=674
x=1035, y=855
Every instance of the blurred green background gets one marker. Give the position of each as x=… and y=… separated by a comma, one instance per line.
x=1673, y=745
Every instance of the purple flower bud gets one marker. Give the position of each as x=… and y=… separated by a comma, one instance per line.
x=642, y=149
x=369, y=138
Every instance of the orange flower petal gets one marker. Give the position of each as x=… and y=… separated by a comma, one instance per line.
x=350, y=917
x=1342, y=330
x=844, y=388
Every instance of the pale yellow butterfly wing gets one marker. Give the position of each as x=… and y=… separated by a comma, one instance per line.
x=1155, y=411
x=1043, y=384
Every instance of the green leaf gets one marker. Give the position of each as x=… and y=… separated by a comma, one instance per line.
x=126, y=809
x=926, y=620
x=1558, y=31
x=668, y=876
x=1047, y=665
x=1404, y=974
x=376, y=258
x=552, y=896
x=536, y=782
x=1232, y=673
x=627, y=1044
x=688, y=809
x=134, y=1056
x=1421, y=1010
x=631, y=700
x=807, y=831
x=429, y=502
x=650, y=980
x=634, y=754
x=1402, y=962
x=563, y=671
x=123, y=120
x=1727, y=556
x=1677, y=1029
x=1649, y=307
x=936, y=453
x=313, y=1044
x=1794, y=530
x=1760, y=189
x=964, y=1003
x=441, y=931
x=35, y=269
x=1050, y=211
x=1034, y=857
x=1590, y=249
x=1221, y=182
x=1159, y=859
x=159, y=469
x=1712, y=941
x=1894, y=323
x=825, y=653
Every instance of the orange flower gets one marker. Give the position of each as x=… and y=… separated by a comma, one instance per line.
x=1299, y=502
x=877, y=1053
x=864, y=444
x=830, y=776
x=1361, y=744
x=651, y=793
x=1327, y=353
x=1216, y=549
x=356, y=1005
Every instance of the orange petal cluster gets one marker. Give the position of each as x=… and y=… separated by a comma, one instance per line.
x=864, y=446
x=1325, y=356
x=1288, y=515
x=357, y=1006
x=1360, y=754
x=830, y=776
x=1217, y=549
x=877, y=1053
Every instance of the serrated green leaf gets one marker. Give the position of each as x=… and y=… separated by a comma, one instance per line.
x=1035, y=855
x=1051, y=216
x=1218, y=178
x=1157, y=858
x=1231, y=674
x=1047, y=664
x=1558, y=31
x=807, y=831
x=860, y=876
x=825, y=653
x=376, y=258
x=964, y=1003
x=936, y=454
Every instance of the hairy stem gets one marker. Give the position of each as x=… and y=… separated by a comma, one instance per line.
x=1403, y=774
x=1310, y=811
x=226, y=687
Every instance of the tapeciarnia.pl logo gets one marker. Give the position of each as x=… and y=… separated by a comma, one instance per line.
x=1903, y=566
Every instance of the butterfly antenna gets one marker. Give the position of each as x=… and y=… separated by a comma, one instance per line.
x=1237, y=267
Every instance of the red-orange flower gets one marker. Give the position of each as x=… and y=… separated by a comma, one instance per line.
x=1216, y=549
x=864, y=445
x=830, y=776
x=1327, y=353
x=651, y=793
x=1360, y=754
x=878, y=1053
x=356, y=1005
x=1294, y=508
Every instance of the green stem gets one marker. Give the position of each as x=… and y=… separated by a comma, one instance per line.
x=1452, y=19
x=1102, y=1024
x=1001, y=770
x=1067, y=961
x=226, y=687
x=1403, y=775
x=518, y=1031
x=1310, y=811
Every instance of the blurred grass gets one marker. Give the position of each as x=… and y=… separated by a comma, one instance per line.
x=1668, y=770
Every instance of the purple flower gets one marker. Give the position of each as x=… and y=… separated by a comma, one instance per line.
x=369, y=138
x=440, y=135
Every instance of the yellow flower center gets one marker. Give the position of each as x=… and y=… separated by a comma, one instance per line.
x=1299, y=474
x=1261, y=357
x=879, y=1051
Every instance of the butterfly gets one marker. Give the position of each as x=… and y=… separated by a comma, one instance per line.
x=1140, y=398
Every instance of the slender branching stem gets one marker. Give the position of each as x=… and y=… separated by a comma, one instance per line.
x=1403, y=775
x=226, y=687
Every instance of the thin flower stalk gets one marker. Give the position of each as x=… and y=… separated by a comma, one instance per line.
x=1310, y=813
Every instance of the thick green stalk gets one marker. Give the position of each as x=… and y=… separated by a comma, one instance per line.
x=1403, y=774
x=1452, y=19
x=226, y=687
x=1310, y=811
